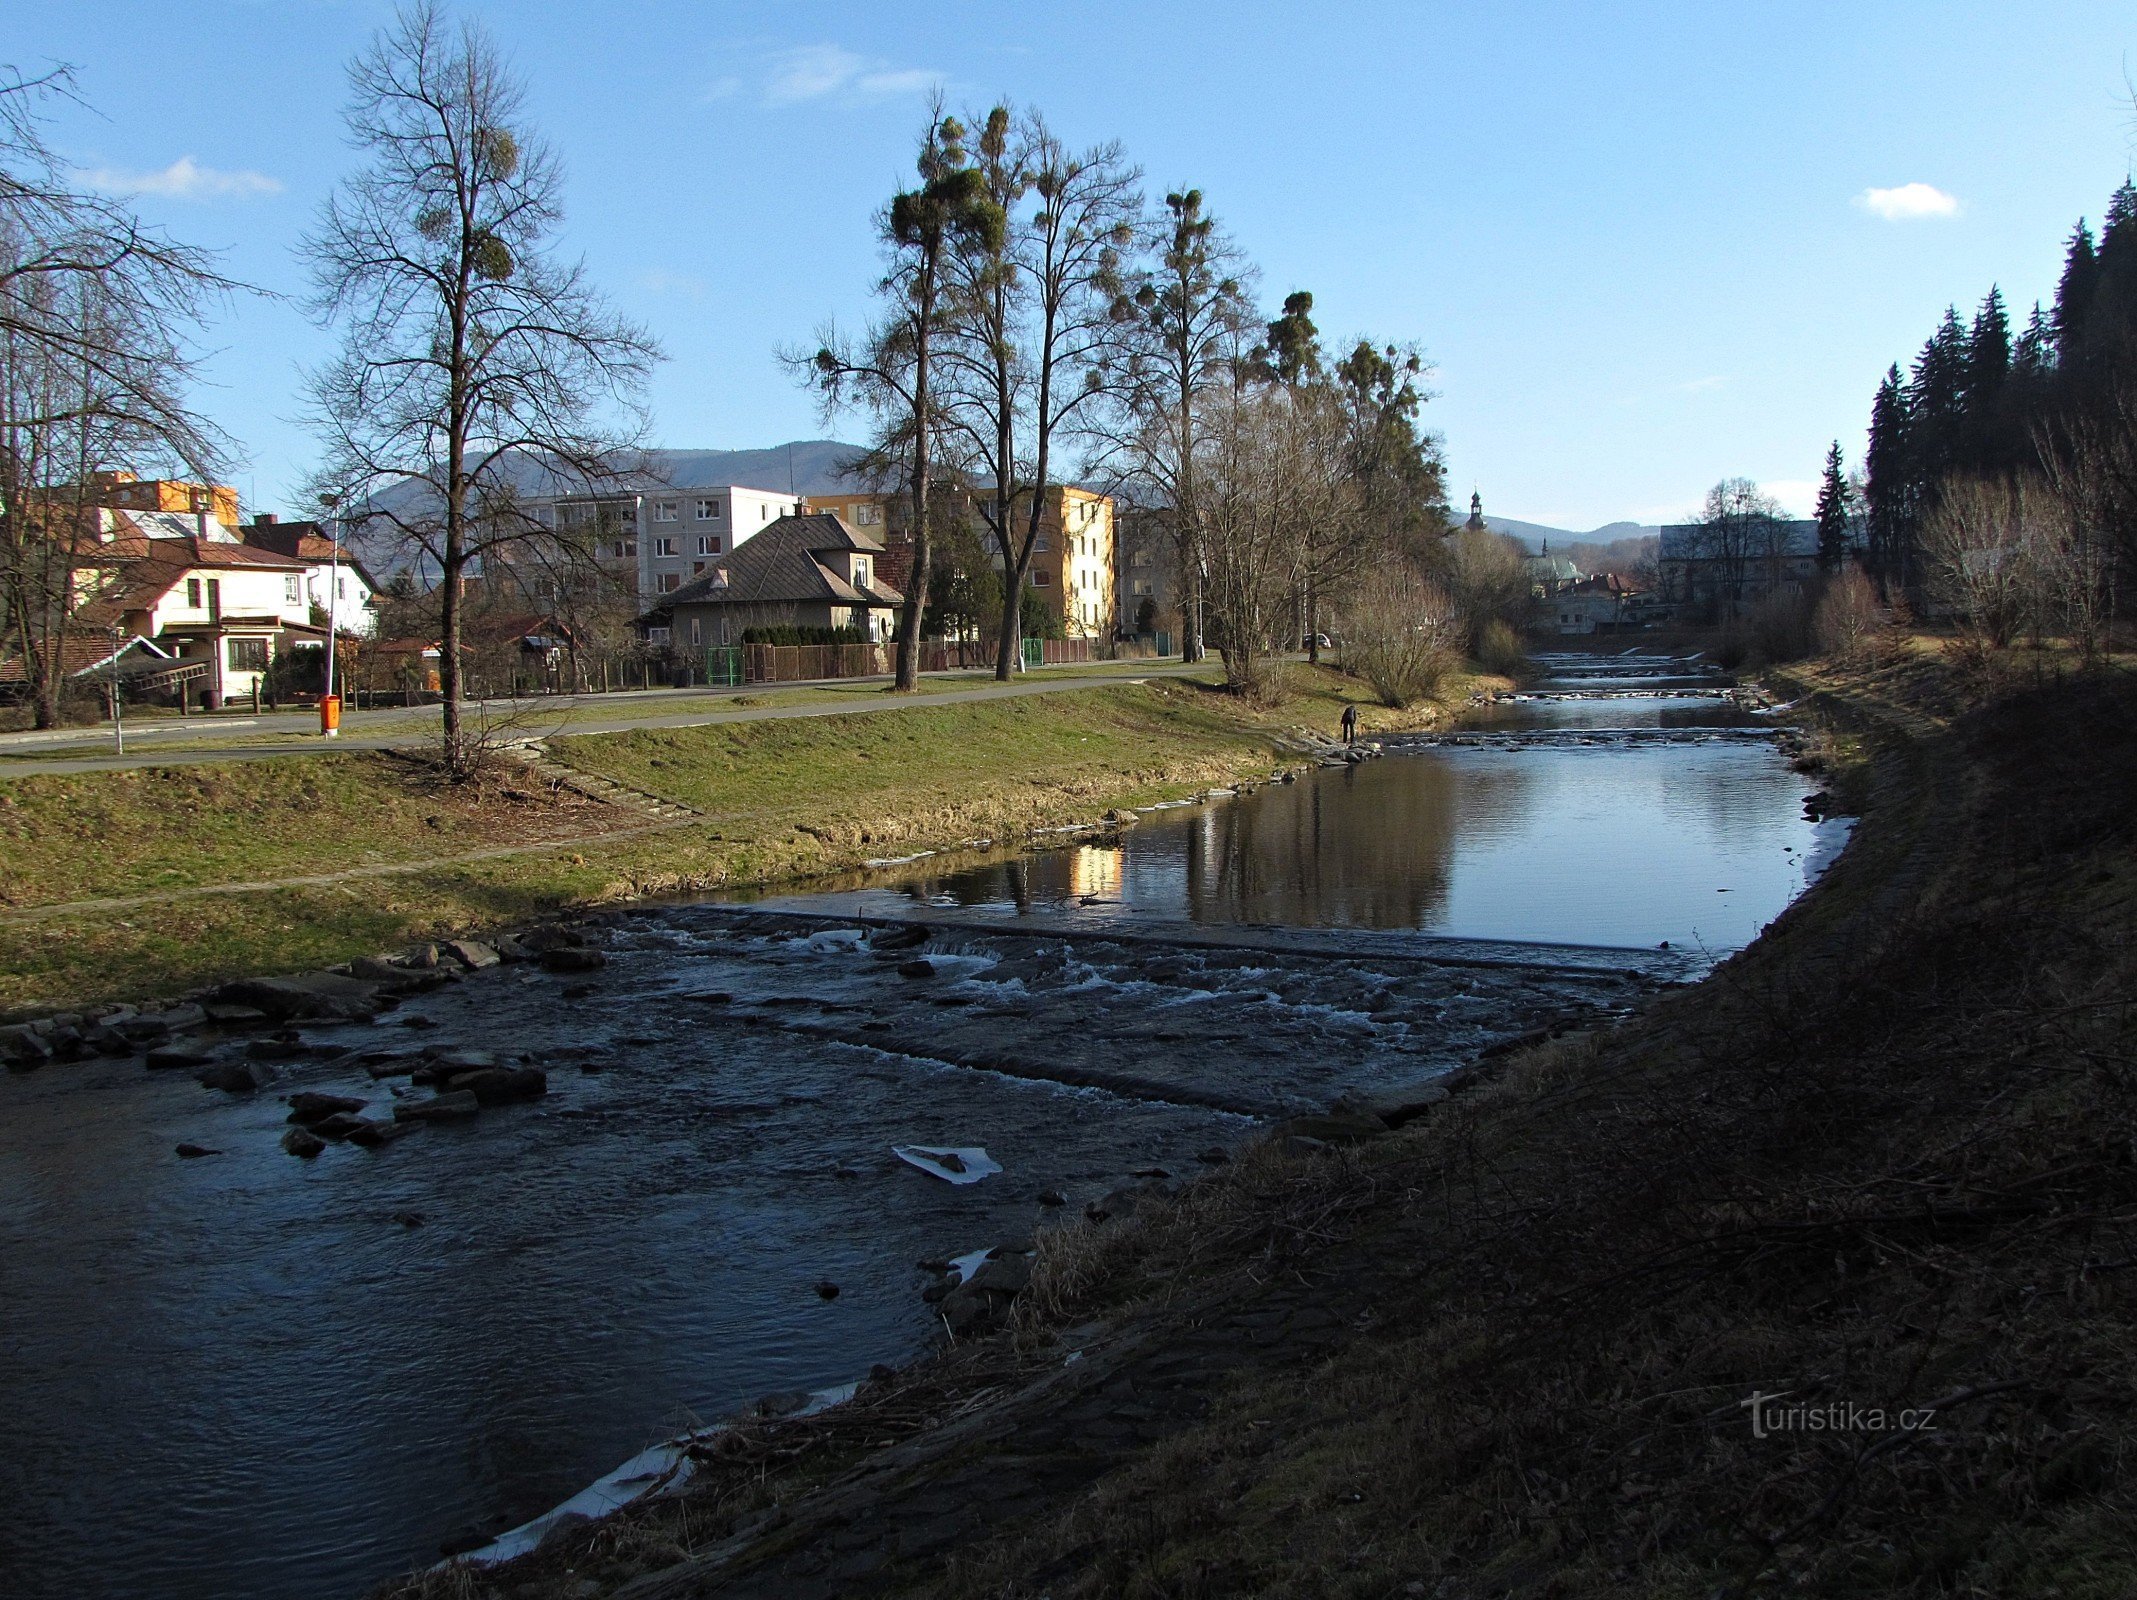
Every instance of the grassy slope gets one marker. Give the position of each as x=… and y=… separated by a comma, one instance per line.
x=1874, y=1161
x=1883, y=1157
x=781, y=798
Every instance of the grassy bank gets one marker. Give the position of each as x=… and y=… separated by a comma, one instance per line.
x=1879, y=1165
x=776, y=799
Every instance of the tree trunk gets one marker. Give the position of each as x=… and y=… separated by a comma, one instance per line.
x=915, y=609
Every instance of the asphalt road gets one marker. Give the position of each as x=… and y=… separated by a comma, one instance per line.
x=274, y=735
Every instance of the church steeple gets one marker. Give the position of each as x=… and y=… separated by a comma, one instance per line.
x=1476, y=513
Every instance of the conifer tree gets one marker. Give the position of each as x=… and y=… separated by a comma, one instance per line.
x=1834, y=497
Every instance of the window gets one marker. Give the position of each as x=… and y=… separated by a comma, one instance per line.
x=1141, y=586
x=669, y=582
x=1041, y=580
x=867, y=516
x=664, y=511
x=1140, y=558
x=1041, y=543
x=697, y=630
x=664, y=547
x=708, y=544
x=293, y=590
x=860, y=571
x=341, y=588
x=707, y=510
x=246, y=655
x=193, y=593
x=624, y=549
x=696, y=567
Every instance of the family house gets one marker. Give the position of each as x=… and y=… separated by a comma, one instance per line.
x=228, y=607
x=799, y=571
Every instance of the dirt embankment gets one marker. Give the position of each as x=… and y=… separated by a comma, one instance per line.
x=1878, y=1170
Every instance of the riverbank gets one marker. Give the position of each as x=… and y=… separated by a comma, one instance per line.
x=134, y=885
x=1878, y=1166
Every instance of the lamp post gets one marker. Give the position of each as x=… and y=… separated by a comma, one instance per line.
x=329, y=702
x=118, y=727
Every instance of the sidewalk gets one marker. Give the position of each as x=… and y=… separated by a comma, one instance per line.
x=272, y=735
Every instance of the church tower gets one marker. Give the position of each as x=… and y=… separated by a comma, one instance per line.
x=1475, y=524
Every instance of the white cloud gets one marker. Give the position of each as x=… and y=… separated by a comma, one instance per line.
x=814, y=71
x=1908, y=202
x=659, y=280
x=183, y=179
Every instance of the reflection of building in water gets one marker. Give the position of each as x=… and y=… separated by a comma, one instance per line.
x=1369, y=847
x=1095, y=870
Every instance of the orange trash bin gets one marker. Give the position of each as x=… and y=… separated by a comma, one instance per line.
x=330, y=713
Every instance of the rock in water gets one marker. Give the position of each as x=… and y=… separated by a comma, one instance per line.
x=572, y=958
x=826, y=1290
x=193, y=1152
x=441, y=1108
x=232, y=1077
x=498, y=1086
x=308, y=1107
x=472, y=953
x=303, y=1142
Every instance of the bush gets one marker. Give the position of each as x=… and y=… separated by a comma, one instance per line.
x=1499, y=650
x=1847, y=619
x=1401, y=637
x=1778, y=626
x=788, y=634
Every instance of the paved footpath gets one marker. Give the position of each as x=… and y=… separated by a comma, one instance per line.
x=25, y=754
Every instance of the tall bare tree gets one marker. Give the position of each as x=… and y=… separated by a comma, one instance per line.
x=1031, y=328
x=97, y=314
x=471, y=352
x=892, y=371
x=1184, y=328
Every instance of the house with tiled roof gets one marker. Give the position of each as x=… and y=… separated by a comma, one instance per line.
x=800, y=571
x=228, y=607
x=336, y=580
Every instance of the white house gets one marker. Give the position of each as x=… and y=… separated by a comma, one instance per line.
x=230, y=607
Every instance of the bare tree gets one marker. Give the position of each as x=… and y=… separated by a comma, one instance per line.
x=1031, y=327
x=1981, y=544
x=471, y=353
x=1400, y=633
x=96, y=316
x=1739, y=533
x=891, y=372
x=1184, y=327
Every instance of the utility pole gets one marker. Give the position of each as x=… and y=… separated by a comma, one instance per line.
x=330, y=720
x=118, y=727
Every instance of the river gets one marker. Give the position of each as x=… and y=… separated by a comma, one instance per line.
x=248, y=1375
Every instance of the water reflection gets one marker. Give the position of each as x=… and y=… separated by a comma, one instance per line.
x=1623, y=827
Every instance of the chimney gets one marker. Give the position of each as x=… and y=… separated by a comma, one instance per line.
x=263, y=519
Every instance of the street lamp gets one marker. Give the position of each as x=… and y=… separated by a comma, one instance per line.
x=329, y=702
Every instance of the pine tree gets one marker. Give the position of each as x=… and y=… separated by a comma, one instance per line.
x=1887, y=485
x=2074, y=293
x=1833, y=509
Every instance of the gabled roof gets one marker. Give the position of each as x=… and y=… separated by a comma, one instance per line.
x=783, y=563
x=149, y=569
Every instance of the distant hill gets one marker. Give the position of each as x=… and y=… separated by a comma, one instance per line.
x=1533, y=534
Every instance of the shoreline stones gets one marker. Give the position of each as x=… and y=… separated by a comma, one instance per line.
x=451, y=1106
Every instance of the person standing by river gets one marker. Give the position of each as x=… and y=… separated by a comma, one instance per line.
x=1350, y=724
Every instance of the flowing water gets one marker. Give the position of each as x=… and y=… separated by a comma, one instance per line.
x=247, y=1375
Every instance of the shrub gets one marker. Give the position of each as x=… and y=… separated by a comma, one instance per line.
x=1847, y=619
x=1499, y=650
x=1401, y=637
x=786, y=633
x=1778, y=626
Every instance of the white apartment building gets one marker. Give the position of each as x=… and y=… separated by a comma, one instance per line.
x=657, y=539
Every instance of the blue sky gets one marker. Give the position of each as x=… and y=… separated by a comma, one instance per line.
x=1634, y=238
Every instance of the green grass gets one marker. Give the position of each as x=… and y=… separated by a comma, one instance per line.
x=135, y=832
